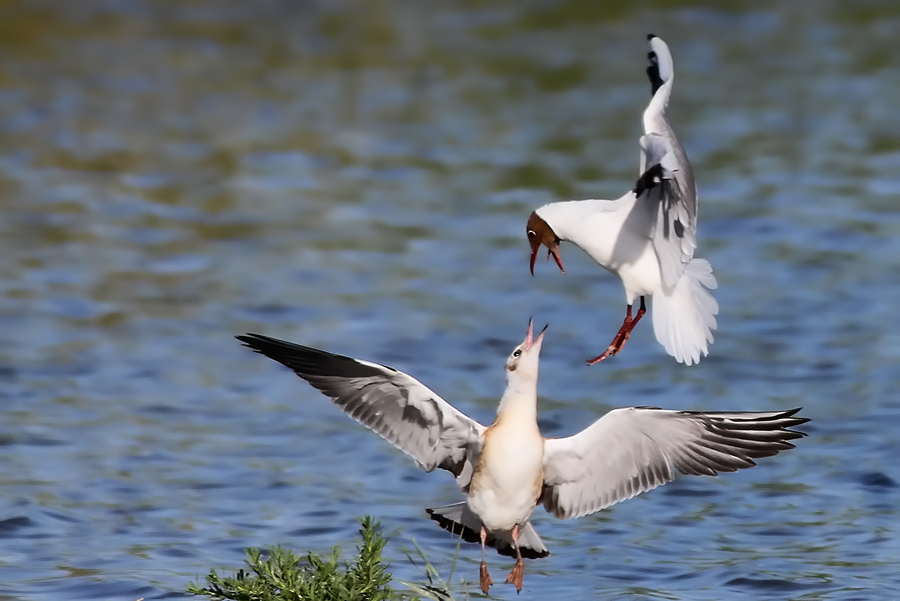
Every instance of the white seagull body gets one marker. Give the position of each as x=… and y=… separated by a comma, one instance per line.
x=648, y=236
x=508, y=468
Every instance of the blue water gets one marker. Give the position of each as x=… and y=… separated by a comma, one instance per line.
x=356, y=176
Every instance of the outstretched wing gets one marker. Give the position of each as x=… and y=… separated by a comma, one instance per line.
x=633, y=450
x=667, y=182
x=391, y=403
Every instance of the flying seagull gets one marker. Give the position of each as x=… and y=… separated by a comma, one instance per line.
x=648, y=236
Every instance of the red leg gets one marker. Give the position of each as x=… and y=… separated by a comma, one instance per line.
x=623, y=334
x=484, y=576
x=515, y=577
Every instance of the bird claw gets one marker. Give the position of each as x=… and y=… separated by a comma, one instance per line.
x=609, y=352
x=485, y=578
x=516, y=576
x=622, y=336
x=617, y=345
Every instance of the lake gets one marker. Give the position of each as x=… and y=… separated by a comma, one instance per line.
x=356, y=176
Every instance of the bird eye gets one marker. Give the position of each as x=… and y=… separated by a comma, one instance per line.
x=517, y=352
x=531, y=233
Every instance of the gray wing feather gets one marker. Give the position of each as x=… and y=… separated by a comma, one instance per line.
x=391, y=403
x=675, y=201
x=633, y=450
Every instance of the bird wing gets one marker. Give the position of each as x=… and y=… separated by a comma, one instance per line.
x=667, y=183
x=633, y=450
x=391, y=403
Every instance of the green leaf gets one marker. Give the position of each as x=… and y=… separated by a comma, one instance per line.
x=280, y=575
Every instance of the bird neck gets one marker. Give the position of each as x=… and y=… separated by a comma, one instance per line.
x=591, y=225
x=567, y=218
x=519, y=399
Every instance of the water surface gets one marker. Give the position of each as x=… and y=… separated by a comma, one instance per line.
x=356, y=176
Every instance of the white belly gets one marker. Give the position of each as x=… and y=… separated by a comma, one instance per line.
x=625, y=252
x=509, y=476
x=642, y=277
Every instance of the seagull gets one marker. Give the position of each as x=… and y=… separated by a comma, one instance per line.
x=648, y=236
x=508, y=468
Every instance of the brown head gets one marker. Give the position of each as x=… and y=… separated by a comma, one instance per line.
x=541, y=233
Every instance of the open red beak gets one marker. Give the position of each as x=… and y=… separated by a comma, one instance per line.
x=554, y=252
x=529, y=337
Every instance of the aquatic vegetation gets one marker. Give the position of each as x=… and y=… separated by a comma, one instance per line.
x=436, y=587
x=279, y=574
x=283, y=576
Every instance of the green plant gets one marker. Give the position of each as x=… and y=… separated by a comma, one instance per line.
x=282, y=577
x=437, y=588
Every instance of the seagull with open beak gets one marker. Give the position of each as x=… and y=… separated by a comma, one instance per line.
x=508, y=468
x=648, y=236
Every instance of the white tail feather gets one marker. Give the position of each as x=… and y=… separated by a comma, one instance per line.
x=684, y=319
x=528, y=541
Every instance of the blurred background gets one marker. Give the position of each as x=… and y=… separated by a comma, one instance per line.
x=356, y=175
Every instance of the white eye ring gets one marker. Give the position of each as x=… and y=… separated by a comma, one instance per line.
x=517, y=352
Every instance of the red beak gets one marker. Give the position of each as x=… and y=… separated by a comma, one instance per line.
x=554, y=252
x=529, y=337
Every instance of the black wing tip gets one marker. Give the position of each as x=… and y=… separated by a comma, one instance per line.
x=254, y=342
x=257, y=341
x=650, y=36
x=788, y=418
x=751, y=416
x=311, y=361
x=267, y=346
x=246, y=338
x=282, y=351
x=794, y=420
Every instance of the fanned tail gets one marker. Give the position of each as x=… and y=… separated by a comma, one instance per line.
x=685, y=318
